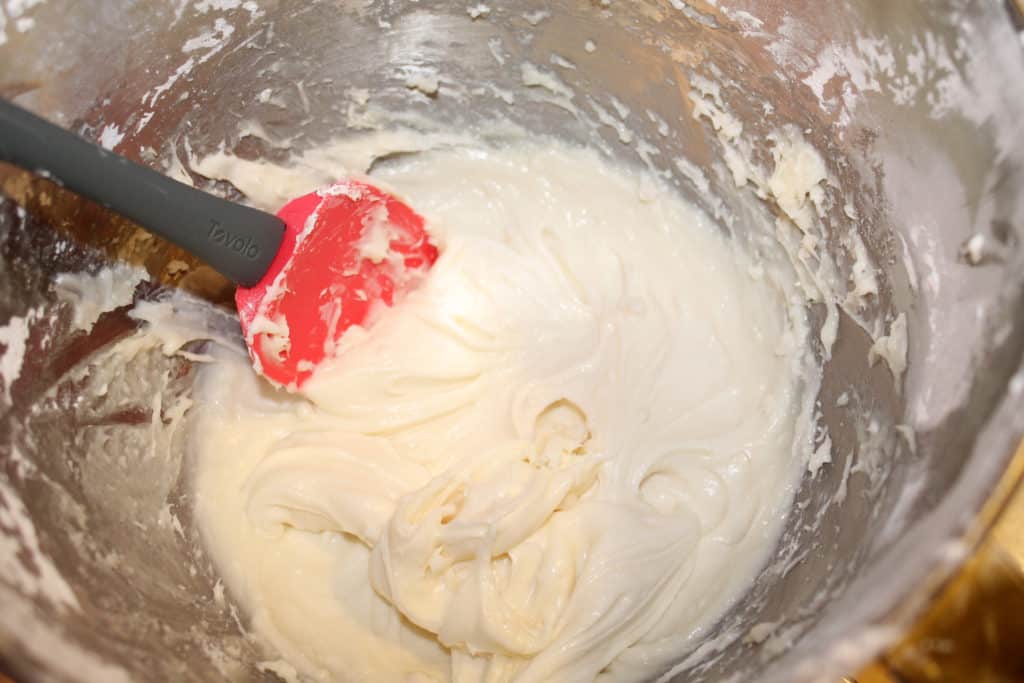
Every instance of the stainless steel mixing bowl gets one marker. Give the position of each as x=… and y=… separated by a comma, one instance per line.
x=917, y=107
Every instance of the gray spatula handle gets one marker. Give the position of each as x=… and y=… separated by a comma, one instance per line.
x=239, y=241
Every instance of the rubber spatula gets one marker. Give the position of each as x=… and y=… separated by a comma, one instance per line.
x=304, y=276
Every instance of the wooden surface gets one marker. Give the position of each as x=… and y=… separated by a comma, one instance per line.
x=974, y=631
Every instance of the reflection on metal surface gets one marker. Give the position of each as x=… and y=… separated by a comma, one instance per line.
x=1015, y=8
x=117, y=237
x=974, y=629
x=900, y=167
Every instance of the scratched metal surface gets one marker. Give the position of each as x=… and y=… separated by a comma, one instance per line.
x=869, y=563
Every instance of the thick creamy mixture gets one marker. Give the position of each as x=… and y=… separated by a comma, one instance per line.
x=560, y=459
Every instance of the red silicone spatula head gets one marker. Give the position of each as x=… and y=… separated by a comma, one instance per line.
x=347, y=249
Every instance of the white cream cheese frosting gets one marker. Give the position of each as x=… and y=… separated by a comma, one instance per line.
x=561, y=458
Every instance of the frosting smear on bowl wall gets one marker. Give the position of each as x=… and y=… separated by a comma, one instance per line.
x=721, y=356
x=561, y=457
